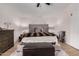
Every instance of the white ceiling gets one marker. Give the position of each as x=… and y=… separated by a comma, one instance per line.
x=31, y=9
x=21, y=14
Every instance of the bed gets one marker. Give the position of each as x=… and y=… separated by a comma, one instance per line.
x=37, y=36
x=43, y=39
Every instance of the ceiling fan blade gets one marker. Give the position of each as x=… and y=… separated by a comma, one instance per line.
x=47, y=3
x=38, y=4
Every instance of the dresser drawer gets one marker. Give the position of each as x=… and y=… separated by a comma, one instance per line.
x=6, y=40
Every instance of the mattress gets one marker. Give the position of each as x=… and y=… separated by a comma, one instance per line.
x=48, y=39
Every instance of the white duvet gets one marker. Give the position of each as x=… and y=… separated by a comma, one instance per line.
x=48, y=39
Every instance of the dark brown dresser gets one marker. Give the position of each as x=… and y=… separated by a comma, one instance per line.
x=38, y=49
x=6, y=40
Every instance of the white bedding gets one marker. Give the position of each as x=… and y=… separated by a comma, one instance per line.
x=48, y=39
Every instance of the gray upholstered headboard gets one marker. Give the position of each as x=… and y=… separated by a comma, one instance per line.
x=38, y=27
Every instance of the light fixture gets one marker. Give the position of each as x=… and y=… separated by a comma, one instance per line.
x=38, y=4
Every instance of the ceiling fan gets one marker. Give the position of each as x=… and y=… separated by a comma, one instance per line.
x=38, y=4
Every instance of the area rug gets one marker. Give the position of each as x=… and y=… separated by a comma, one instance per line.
x=59, y=51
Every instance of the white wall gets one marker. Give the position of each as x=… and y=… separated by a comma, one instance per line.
x=72, y=37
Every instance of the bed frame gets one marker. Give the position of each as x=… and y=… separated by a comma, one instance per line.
x=38, y=28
